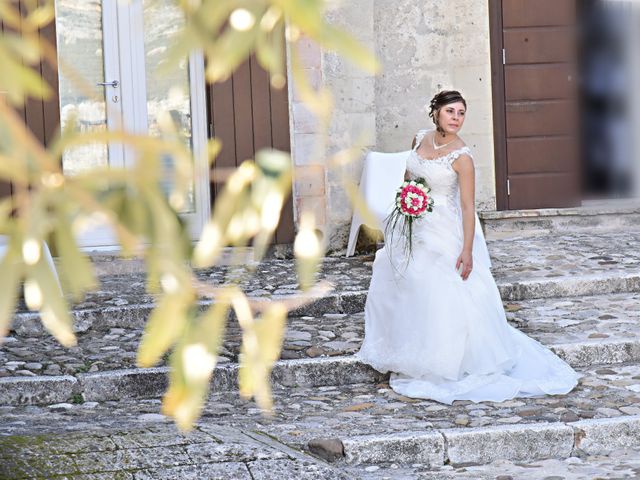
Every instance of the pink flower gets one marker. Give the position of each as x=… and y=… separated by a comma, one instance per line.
x=412, y=200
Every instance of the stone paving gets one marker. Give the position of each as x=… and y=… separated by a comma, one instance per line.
x=366, y=409
x=273, y=277
x=569, y=254
x=300, y=415
x=621, y=464
x=593, y=327
x=157, y=451
x=514, y=260
x=576, y=321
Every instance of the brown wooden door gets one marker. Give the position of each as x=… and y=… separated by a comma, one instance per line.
x=247, y=114
x=535, y=103
x=41, y=116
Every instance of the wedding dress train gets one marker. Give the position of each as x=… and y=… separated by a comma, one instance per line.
x=444, y=338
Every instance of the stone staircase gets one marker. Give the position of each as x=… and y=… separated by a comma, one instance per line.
x=88, y=412
x=608, y=217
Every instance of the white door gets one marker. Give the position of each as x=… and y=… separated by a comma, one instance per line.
x=115, y=46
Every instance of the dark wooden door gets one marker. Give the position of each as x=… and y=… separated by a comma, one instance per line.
x=534, y=55
x=41, y=116
x=247, y=114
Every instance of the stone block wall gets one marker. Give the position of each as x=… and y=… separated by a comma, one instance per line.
x=423, y=47
x=309, y=190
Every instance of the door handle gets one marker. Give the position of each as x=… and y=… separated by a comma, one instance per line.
x=113, y=84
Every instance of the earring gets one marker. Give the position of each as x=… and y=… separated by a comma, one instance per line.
x=439, y=129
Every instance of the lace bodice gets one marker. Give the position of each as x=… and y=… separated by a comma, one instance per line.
x=439, y=172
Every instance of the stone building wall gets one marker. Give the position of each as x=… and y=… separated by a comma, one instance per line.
x=423, y=47
x=427, y=46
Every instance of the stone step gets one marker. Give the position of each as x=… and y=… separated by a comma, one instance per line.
x=135, y=315
x=601, y=414
x=544, y=221
x=584, y=330
x=524, y=268
x=620, y=463
x=152, y=382
x=155, y=450
x=364, y=424
x=139, y=383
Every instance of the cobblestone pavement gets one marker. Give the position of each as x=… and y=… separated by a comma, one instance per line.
x=237, y=441
x=272, y=277
x=587, y=318
x=570, y=254
x=514, y=260
x=157, y=451
x=555, y=321
x=605, y=392
x=622, y=463
x=301, y=414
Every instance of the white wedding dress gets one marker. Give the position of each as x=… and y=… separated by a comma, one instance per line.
x=444, y=338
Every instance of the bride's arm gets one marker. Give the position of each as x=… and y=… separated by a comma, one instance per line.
x=466, y=180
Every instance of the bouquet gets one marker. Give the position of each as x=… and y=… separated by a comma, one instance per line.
x=412, y=202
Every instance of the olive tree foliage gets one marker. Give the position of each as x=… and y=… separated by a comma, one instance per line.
x=48, y=206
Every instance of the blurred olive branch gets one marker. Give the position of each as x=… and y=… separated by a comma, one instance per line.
x=48, y=206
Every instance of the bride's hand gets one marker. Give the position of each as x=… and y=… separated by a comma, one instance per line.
x=466, y=259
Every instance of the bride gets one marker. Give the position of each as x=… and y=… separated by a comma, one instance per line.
x=435, y=318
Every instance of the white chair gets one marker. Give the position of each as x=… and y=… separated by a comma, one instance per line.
x=381, y=176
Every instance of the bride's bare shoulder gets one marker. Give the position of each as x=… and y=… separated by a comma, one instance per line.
x=459, y=143
x=422, y=134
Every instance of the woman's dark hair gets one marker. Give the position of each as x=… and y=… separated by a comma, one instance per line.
x=442, y=98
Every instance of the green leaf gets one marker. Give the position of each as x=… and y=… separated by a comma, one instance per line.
x=25, y=46
x=232, y=201
x=12, y=270
x=192, y=364
x=78, y=273
x=270, y=330
x=12, y=169
x=342, y=42
x=360, y=205
x=6, y=207
x=257, y=361
x=185, y=397
x=18, y=80
x=164, y=327
x=134, y=214
x=211, y=325
x=270, y=51
x=308, y=250
x=41, y=16
x=54, y=311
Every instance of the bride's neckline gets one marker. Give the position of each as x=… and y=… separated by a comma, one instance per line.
x=435, y=159
x=421, y=158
